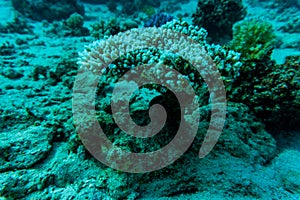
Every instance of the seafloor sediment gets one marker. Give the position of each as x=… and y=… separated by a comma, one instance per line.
x=256, y=49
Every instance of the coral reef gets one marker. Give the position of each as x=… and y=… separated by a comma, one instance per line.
x=227, y=61
x=282, y=88
x=253, y=38
x=41, y=152
x=262, y=85
x=7, y=49
x=249, y=74
x=136, y=58
x=51, y=10
x=27, y=142
x=157, y=20
x=243, y=137
x=130, y=8
x=11, y=73
x=73, y=26
x=18, y=25
x=104, y=29
x=292, y=26
x=218, y=17
x=64, y=71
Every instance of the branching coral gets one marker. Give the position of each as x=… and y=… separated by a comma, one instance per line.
x=227, y=61
x=243, y=139
x=250, y=76
x=91, y=57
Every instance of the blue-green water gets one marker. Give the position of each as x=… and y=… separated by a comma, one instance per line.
x=149, y=99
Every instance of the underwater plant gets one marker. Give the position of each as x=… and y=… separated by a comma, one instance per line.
x=269, y=89
x=253, y=38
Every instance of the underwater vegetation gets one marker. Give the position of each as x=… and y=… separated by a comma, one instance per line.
x=262, y=84
x=41, y=153
x=253, y=38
